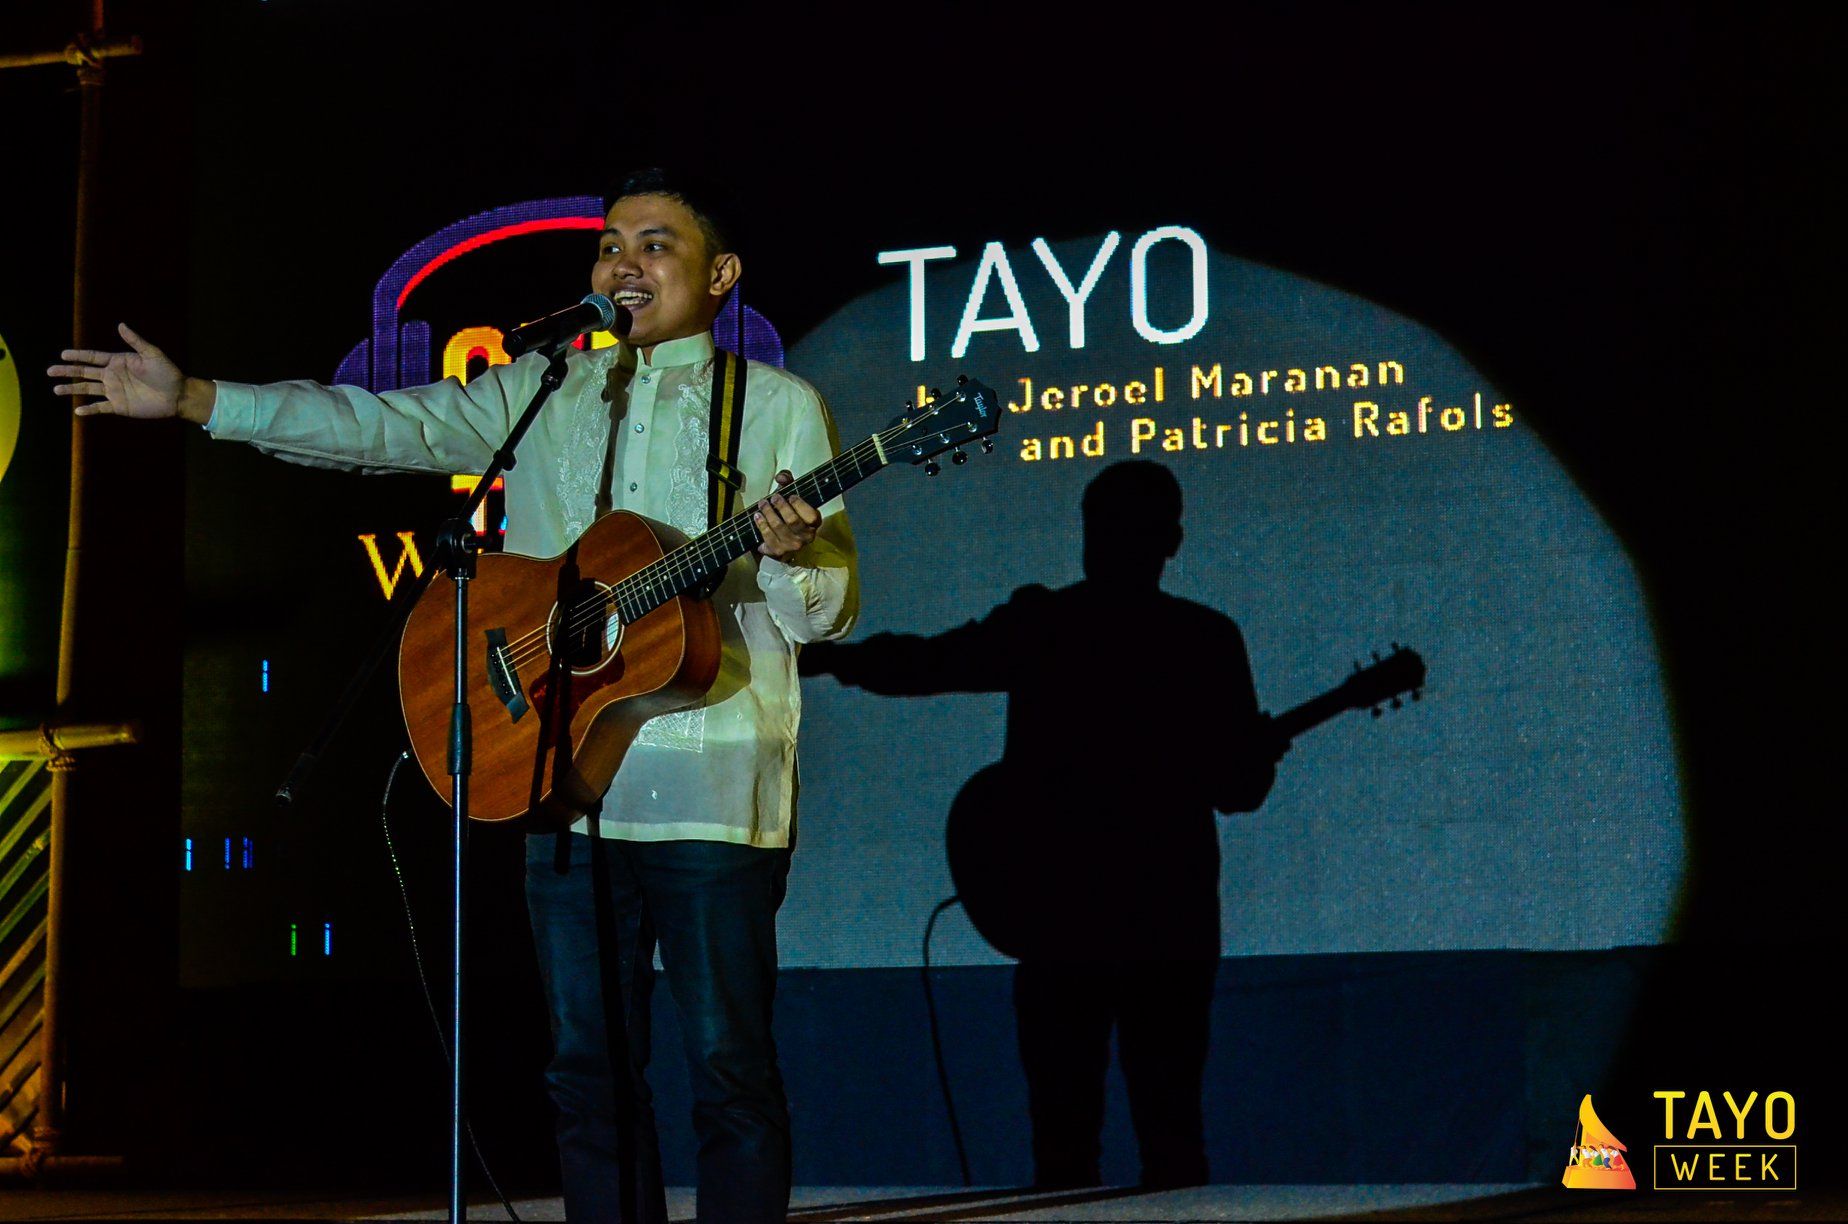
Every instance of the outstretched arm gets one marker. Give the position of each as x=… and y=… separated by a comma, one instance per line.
x=143, y=383
x=979, y=657
x=443, y=427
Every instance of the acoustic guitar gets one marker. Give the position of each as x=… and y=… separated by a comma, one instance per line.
x=1029, y=890
x=581, y=649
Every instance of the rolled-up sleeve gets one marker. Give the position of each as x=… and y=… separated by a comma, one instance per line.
x=815, y=595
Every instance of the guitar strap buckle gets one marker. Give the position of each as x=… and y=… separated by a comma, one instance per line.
x=727, y=474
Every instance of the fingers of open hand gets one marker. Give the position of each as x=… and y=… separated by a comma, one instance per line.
x=85, y=374
x=136, y=342
x=88, y=372
x=71, y=371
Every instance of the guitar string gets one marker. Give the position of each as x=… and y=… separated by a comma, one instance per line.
x=683, y=562
x=680, y=563
x=700, y=550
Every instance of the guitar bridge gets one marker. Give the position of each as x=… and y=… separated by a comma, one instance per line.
x=503, y=676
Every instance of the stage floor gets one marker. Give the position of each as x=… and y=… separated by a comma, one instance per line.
x=819, y=1204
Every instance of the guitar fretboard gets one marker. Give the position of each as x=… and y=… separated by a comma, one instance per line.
x=1312, y=713
x=694, y=563
x=1401, y=672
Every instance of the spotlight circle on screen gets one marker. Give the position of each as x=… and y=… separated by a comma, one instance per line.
x=9, y=405
x=1349, y=481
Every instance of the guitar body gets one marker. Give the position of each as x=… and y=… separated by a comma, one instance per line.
x=1003, y=845
x=557, y=687
x=1068, y=874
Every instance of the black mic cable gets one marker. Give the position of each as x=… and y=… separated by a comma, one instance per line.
x=936, y=1042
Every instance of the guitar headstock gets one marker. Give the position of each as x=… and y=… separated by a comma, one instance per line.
x=971, y=412
x=1386, y=681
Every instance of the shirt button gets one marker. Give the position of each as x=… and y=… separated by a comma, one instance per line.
x=633, y=486
x=647, y=377
x=638, y=427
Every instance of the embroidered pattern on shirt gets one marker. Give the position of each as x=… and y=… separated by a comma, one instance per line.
x=580, y=461
x=686, y=491
x=686, y=509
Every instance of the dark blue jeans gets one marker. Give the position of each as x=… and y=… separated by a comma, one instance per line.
x=711, y=909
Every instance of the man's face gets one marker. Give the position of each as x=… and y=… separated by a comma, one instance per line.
x=652, y=261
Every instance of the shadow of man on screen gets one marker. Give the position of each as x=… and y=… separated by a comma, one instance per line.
x=1089, y=851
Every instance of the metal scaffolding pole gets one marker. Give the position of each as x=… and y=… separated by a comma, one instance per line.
x=87, y=53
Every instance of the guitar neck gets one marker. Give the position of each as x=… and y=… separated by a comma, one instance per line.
x=1312, y=713
x=693, y=564
x=1388, y=679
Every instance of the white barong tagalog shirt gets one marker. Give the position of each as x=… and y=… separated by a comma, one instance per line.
x=724, y=770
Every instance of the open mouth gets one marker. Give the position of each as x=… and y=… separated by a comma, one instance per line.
x=632, y=299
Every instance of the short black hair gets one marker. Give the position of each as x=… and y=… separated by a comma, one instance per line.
x=709, y=202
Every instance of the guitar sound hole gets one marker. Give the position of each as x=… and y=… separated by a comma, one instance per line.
x=584, y=630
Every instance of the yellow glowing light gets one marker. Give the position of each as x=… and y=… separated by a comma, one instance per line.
x=472, y=342
x=407, y=551
x=9, y=405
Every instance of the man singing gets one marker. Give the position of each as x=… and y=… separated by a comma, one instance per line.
x=690, y=851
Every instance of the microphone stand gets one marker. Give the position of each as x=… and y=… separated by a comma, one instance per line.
x=456, y=549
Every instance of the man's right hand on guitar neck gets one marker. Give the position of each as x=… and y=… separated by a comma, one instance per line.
x=144, y=383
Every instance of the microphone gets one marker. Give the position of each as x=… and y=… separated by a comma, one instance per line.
x=594, y=313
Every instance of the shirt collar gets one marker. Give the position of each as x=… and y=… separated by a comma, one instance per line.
x=688, y=350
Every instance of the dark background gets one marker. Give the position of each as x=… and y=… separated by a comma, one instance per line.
x=1622, y=217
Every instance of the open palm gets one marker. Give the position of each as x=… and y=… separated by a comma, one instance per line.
x=142, y=383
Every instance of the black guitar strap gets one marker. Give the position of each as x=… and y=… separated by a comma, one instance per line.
x=724, y=482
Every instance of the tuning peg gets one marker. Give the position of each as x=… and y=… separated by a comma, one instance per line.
x=961, y=379
x=1356, y=664
x=988, y=446
x=932, y=468
x=1376, y=656
x=935, y=394
x=1397, y=704
x=1396, y=648
x=1417, y=694
x=1376, y=711
x=959, y=456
